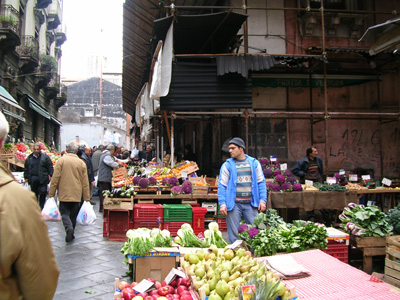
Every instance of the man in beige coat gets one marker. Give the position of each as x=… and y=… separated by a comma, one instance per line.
x=28, y=269
x=70, y=179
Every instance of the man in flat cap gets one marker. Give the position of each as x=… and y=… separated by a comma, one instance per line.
x=242, y=189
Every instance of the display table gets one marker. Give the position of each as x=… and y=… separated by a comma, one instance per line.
x=332, y=279
x=381, y=193
x=310, y=200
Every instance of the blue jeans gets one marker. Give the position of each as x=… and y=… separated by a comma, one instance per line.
x=234, y=216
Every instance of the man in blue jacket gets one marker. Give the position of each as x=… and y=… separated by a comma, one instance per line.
x=242, y=190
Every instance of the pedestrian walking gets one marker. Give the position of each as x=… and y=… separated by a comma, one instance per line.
x=242, y=191
x=70, y=179
x=28, y=266
x=38, y=172
x=96, y=158
x=85, y=156
x=106, y=164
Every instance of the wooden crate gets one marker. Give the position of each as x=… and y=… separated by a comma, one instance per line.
x=370, y=246
x=392, y=261
x=118, y=203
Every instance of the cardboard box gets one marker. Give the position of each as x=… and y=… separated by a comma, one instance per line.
x=157, y=264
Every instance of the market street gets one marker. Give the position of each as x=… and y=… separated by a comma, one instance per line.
x=89, y=264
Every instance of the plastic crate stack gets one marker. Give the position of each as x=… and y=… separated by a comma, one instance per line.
x=338, y=244
x=221, y=220
x=148, y=216
x=175, y=215
x=116, y=223
x=199, y=214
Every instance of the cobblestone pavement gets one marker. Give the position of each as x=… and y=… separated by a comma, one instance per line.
x=89, y=264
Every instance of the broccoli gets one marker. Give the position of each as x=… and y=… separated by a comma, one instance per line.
x=394, y=219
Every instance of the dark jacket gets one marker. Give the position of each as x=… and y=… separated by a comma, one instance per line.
x=45, y=168
x=300, y=169
x=89, y=167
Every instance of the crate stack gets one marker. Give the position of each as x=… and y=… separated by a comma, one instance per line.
x=148, y=216
x=199, y=214
x=221, y=220
x=338, y=244
x=211, y=212
x=175, y=215
x=117, y=224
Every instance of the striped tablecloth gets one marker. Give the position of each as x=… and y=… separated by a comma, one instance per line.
x=332, y=279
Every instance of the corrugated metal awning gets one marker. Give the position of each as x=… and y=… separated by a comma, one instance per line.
x=196, y=86
x=11, y=114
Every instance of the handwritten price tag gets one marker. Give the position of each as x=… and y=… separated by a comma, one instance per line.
x=331, y=180
x=309, y=182
x=272, y=158
x=366, y=177
x=283, y=167
x=386, y=182
x=353, y=177
x=342, y=172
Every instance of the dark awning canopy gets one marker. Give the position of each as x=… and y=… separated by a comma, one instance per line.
x=33, y=104
x=208, y=33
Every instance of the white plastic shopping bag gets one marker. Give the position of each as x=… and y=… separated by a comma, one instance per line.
x=86, y=215
x=50, y=211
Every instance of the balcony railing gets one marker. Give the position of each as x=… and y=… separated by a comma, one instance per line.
x=54, y=15
x=9, y=18
x=29, y=47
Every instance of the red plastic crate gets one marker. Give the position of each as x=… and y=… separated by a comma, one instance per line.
x=118, y=224
x=194, y=204
x=174, y=226
x=105, y=227
x=338, y=250
x=199, y=214
x=148, y=212
x=222, y=224
x=146, y=224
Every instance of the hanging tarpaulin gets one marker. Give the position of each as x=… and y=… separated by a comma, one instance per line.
x=146, y=131
x=139, y=110
x=161, y=79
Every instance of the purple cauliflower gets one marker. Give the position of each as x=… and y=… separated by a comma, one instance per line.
x=187, y=188
x=253, y=232
x=280, y=178
x=144, y=183
x=274, y=187
x=337, y=175
x=264, y=161
x=267, y=173
x=243, y=228
x=136, y=179
x=287, y=173
x=277, y=172
x=286, y=187
x=187, y=182
x=297, y=187
x=173, y=181
x=164, y=181
x=152, y=180
x=341, y=178
x=343, y=183
x=291, y=180
x=176, y=190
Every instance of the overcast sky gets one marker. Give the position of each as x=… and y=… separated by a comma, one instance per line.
x=94, y=28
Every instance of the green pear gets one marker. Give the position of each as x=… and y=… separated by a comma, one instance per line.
x=225, y=276
x=222, y=288
x=229, y=254
x=200, y=272
x=234, y=276
x=240, y=252
x=200, y=254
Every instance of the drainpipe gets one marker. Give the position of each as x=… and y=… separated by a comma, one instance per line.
x=245, y=29
x=172, y=140
x=326, y=116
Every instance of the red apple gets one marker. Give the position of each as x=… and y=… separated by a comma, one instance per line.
x=143, y=294
x=151, y=279
x=128, y=293
x=155, y=296
x=176, y=297
x=174, y=282
x=163, y=283
x=157, y=284
x=148, y=298
x=170, y=297
x=186, y=297
x=123, y=284
x=164, y=290
x=184, y=281
x=181, y=288
x=153, y=292
x=133, y=284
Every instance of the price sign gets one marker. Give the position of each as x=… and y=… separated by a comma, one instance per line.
x=342, y=172
x=184, y=174
x=353, y=177
x=272, y=158
x=366, y=177
x=309, y=182
x=147, y=170
x=331, y=180
x=283, y=167
x=370, y=203
x=386, y=182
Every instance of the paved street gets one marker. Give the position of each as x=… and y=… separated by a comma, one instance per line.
x=89, y=264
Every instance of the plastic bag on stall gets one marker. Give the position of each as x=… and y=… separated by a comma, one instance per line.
x=86, y=215
x=27, y=186
x=50, y=211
